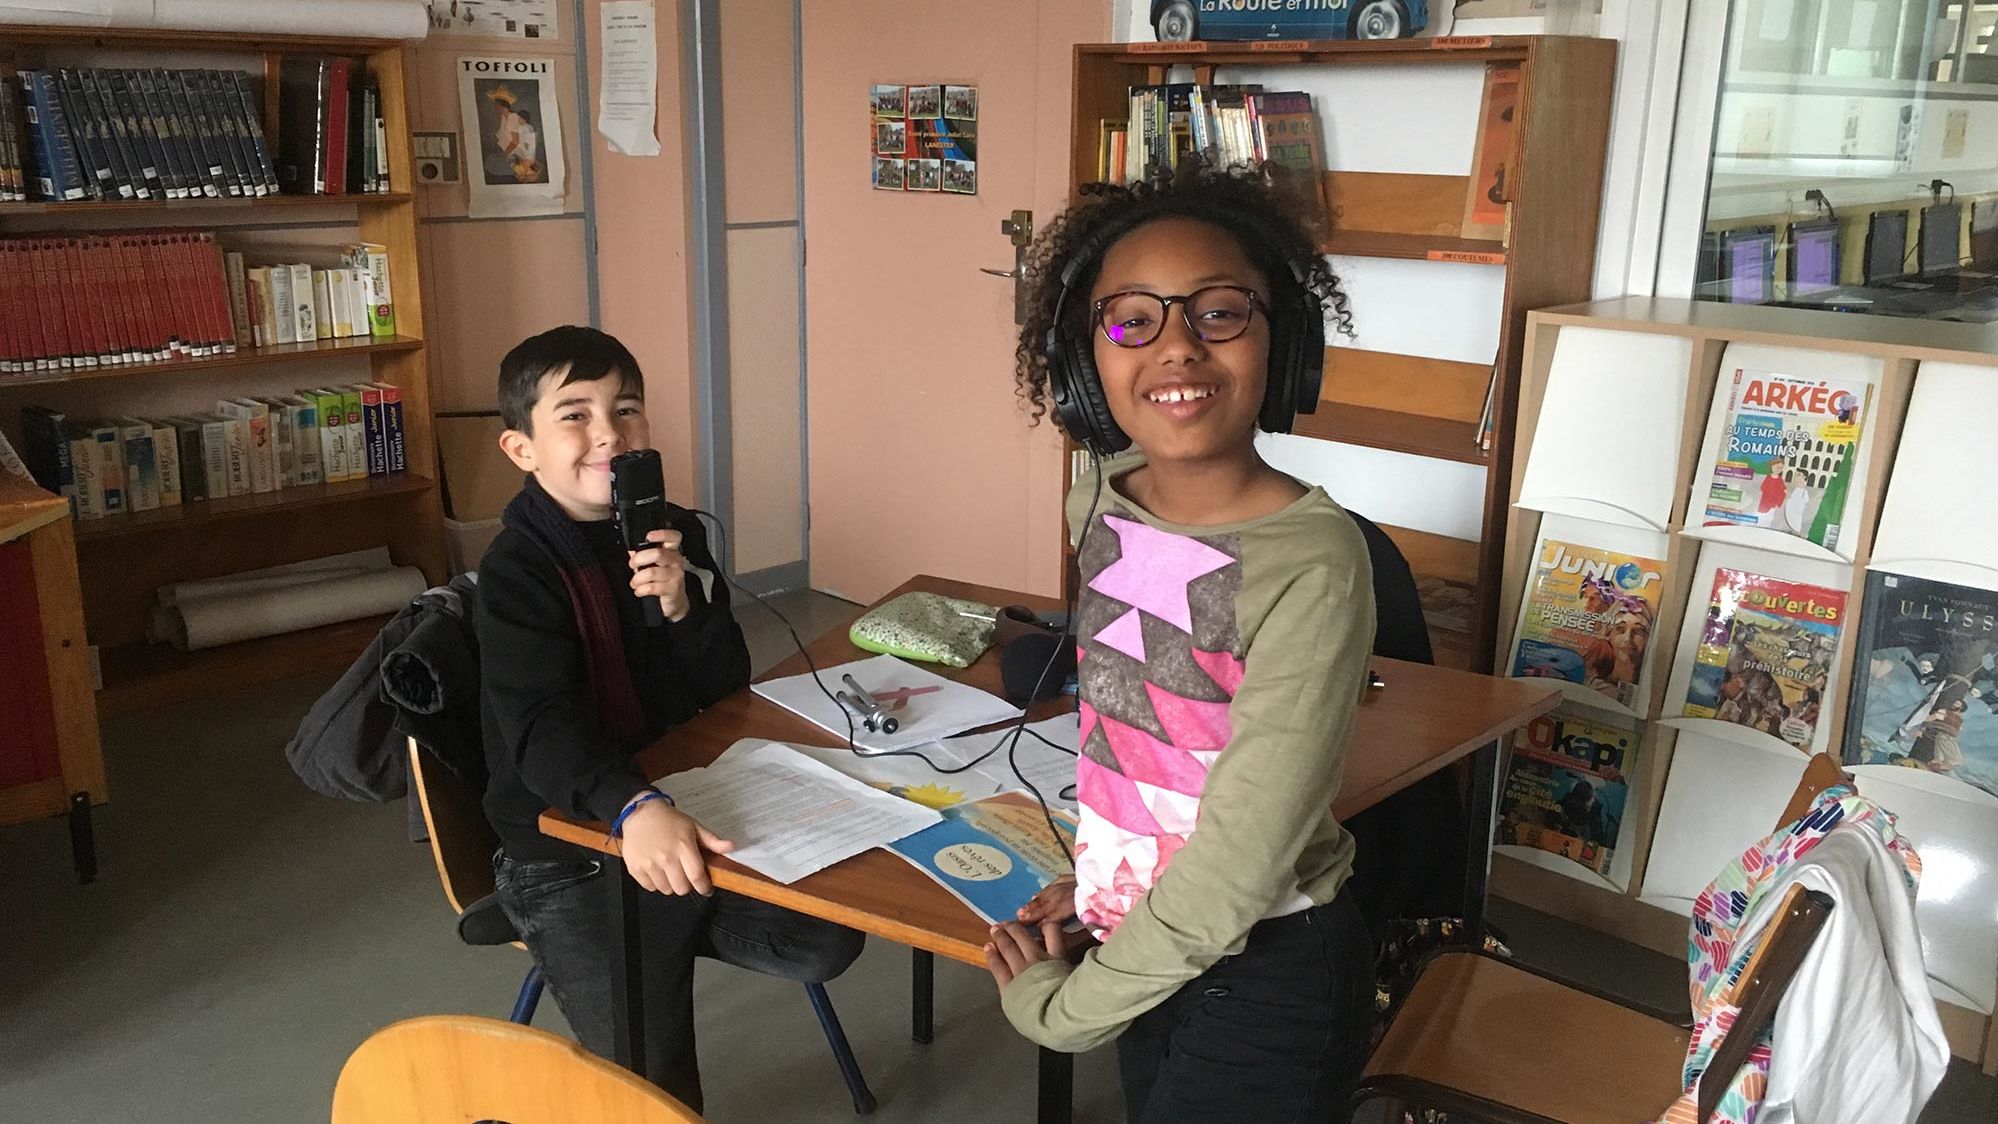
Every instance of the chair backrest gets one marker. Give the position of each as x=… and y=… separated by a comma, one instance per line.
x=1400, y=632
x=462, y=840
x=447, y=1069
x=1777, y=956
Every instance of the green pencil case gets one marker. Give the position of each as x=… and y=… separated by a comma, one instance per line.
x=927, y=627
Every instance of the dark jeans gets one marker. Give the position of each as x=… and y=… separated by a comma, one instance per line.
x=1275, y=1034
x=563, y=915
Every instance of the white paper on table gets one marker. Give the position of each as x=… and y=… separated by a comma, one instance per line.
x=910, y=778
x=927, y=706
x=1050, y=770
x=1924, y=531
x=788, y=815
x=627, y=94
x=1607, y=443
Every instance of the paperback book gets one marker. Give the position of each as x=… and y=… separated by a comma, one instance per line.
x=1924, y=692
x=1765, y=654
x=1787, y=454
x=1568, y=785
x=992, y=854
x=1588, y=618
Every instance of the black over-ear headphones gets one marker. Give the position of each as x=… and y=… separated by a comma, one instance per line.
x=1297, y=334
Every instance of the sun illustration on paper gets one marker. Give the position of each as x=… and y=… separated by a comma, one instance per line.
x=931, y=795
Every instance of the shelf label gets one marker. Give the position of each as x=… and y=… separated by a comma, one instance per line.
x=1165, y=48
x=1468, y=257
x=1460, y=42
x=1280, y=45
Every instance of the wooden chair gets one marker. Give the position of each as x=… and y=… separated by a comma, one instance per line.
x=1485, y=1038
x=448, y=1069
x=462, y=843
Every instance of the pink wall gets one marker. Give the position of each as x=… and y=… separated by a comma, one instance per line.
x=642, y=260
x=921, y=460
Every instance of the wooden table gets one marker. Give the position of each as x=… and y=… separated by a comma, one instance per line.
x=1422, y=720
x=41, y=612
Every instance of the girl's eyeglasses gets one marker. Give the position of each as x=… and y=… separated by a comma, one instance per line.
x=1216, y=314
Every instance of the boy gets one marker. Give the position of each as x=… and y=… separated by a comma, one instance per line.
x=574, y=682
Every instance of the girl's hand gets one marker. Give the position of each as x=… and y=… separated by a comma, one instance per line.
x=1013, y=950
x=662, y=850
x=659, y=571
x=1055, y=902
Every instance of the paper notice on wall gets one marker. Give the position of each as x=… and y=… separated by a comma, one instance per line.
x=494, y=19
x=513, y=136
x=627, y=97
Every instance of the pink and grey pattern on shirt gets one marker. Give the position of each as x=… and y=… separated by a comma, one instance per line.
x=1161, y=657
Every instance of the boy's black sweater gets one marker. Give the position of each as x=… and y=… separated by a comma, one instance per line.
x=542, y=743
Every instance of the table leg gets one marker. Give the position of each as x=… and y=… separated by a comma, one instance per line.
x=82, y=840
x=1057, y=1087
x=627, y=972
x=1478, y=850
x=922, y=995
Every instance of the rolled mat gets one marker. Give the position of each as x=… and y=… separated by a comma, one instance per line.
x=211, y=622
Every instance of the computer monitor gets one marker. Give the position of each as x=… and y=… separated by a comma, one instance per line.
x=1942, y=238
x=1709, y=285
x=1748, y=261
x=1814, y=256
x=1886, y=245
x=1984, y=234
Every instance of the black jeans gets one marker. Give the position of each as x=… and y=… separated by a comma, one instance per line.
x=1275, y=1034
x=562, y=913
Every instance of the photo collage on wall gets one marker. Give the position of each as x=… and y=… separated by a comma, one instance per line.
x=924, y=138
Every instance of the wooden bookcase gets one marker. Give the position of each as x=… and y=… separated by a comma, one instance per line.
x=1901, y=345
x=123, y=559
x=1407, y=404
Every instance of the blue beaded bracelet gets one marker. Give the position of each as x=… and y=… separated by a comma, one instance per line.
x=645, y=797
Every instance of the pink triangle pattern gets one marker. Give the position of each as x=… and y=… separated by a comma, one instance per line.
x=1112, y=797
x=1190, y=723
x=1126, y=634
x=1154, y=568
x=1144, y=758
x=1175, y=811
x=1224, y=669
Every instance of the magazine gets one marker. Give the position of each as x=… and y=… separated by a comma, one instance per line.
x=992, y=854
x=1588, y=618
x=1567, y=786
x=1924, y=693
x=1787, y=455
x=1765, y=654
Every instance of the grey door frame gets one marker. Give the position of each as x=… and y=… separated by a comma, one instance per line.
x=708, y=244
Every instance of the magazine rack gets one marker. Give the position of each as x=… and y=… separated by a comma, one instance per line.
x=1917, y=464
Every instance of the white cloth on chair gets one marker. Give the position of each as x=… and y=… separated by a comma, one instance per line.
x=1857, y=1038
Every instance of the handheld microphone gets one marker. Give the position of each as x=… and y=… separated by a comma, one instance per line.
x=638, y=504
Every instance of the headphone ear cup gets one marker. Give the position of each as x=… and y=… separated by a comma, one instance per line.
x=1297, y=363
x=1309, y=335
x=1080, y=405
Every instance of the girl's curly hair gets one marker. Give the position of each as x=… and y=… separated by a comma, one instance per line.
x=1270, y=195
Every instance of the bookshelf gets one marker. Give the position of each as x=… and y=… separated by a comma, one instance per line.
x=1405, y=403
x=123, y=559
x=1757, y=766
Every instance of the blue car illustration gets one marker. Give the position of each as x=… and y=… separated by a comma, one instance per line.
x=1182, y=20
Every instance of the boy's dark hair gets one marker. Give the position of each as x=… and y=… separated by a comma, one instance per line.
x=1273, y=195
x=589, y=354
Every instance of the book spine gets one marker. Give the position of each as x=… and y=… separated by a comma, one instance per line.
x=239, y=299
x=322, y=303
x=94, y=127
x=62, y=162
x=144, y=126
x=223, y=114
x=263, y=449
x=371, y=260
x=82, y=281
x=357, y=442
x=242, y=458
x=189, y=458
x=166, y=451
x=142, y=466
x=109, y=459
x=283, y=304
x=45, y=440
x=374, y=437
x=253, y=124
x=65, y=289
x=305, y=323
x=124, y=121
x=12, y=160
x=334, y=114
x=392, y=426
x=89, y=486
x=306, y=432
x=257, y=287
x=218, y=477
x=200, y=146
x=282, y=442
x=332, y=434
x=176, y=132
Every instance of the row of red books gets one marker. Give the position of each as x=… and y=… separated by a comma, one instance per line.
x=89, y=300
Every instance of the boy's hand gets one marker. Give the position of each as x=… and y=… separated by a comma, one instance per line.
x=662, y=849
x=659, y=571
x=1055, y=902
x=1013, y=949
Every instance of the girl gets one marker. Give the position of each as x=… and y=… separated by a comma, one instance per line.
x=1224, y=623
